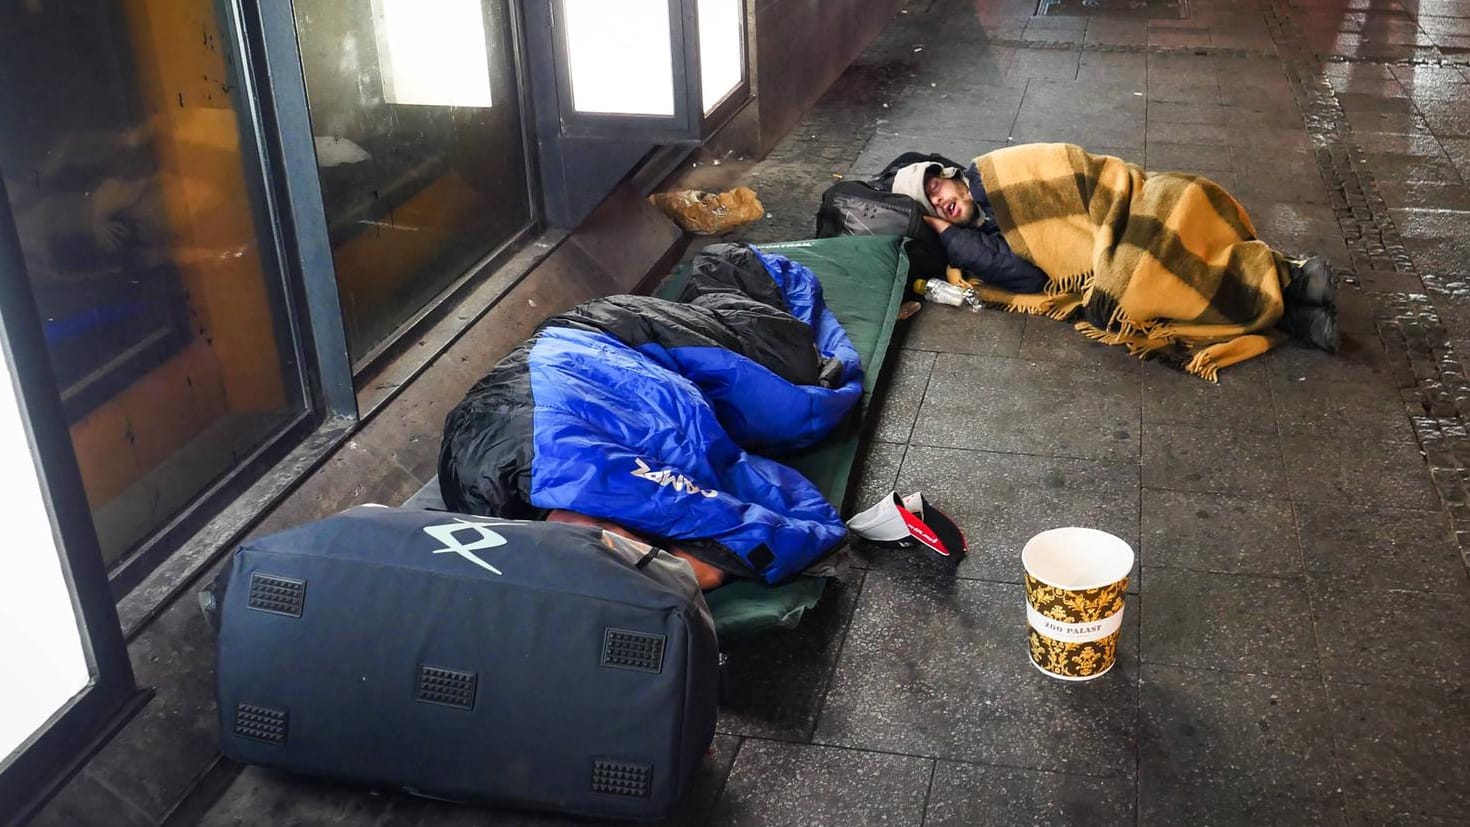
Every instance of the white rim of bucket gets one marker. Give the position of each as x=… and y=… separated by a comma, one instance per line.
x=1035, y=559
x=1073, y=678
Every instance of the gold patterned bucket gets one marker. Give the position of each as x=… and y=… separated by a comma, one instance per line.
x=1075, y=581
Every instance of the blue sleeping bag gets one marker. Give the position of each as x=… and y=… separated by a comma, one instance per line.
x=655, y=414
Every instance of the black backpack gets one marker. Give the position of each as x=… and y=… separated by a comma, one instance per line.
x=864, y=208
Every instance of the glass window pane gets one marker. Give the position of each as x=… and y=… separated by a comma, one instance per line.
x=721, y=64
x=416, y=191
x=432, y=54
x=41, y=640
x=127, y=160
x=620, y=57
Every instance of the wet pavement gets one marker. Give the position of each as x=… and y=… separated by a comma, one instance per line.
x=1295, y=644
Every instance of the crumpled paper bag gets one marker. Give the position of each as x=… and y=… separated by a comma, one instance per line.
x=707, y=212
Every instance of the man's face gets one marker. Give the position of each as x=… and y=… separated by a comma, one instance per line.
x=951, y=198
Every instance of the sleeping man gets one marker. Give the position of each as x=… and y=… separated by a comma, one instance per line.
x=1167, y=264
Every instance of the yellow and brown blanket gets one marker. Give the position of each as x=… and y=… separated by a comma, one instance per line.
x=1167, y=264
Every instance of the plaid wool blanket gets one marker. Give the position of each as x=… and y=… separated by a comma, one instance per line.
x=1166, y=264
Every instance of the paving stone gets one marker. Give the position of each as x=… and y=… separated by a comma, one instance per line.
x=1002, y=500
x=1222, y=461
x=1322, y=468
x=1403, y=754
x=1045, y=63
x=1114, y=68
x=947, y=329
x=1191, y=158
x=1031, y=408
x=1227, y=622
x=1448, y=117
x=1187, y=113
x=1346, y=410
x=902, y=396
x=1214, y=533
x=262, y=796
x=883, y=147
x=1458, y=150
x=964, y=795
x=877, y=472
x=1381, y=548
x=775, y=682
x=1443, y=194
x=775, y=784
x=1048, y=340
x=696, y=807
x=941, y=668
x=1373, y=633
x=1234, y=749
x=1241, y=400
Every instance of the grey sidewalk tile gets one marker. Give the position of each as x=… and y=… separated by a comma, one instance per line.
x=1364, y=411
x=1211, y=532
x=965, y=795
x=1089, y=412
x=1227, y=622
x=1169, y=132
x=1458, y=150
x=1357, y=360
x=1448, y=118
x=1321, y=468
x=775, y=682
x=885, y=146
x=1116, y=32
x=1404, y=755
x=259, y=793
x=1381, y=548
x=794, y=785
x=878, y=472
x=694, y=808
x=1114, y=68
x=1235, y=749
x=1198, y=159
x=1187, y=113
x=1049, y=340
x=945, y=329
x=1371, y=633
x=1240, y=400
x=1430, y=164
x=1045, y=63
x=1448, y=193
x=1002, y=500
x=902, y=396
x=1401, y=122
x=941, y=668
x=1120, y=131
x=1217, y=460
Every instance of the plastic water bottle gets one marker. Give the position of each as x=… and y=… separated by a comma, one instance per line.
x=942, y=292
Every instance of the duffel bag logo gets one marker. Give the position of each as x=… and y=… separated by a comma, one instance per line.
x=447, y=535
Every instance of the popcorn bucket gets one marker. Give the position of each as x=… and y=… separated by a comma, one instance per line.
x=1075, y=581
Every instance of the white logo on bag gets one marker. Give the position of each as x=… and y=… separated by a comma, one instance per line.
x=446, y=535
x=668, y=476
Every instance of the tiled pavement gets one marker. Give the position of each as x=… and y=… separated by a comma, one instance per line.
x=1297, y=641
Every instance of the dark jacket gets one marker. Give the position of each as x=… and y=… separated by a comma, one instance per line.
x=981, y=250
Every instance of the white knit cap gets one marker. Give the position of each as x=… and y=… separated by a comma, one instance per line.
x=910, y=181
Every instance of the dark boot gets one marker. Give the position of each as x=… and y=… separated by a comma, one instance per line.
x=1312, y=282
x=1315, y=326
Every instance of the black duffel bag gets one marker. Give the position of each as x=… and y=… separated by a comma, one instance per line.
x=539, y=665
x=871, y=208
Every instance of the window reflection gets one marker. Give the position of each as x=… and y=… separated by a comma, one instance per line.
x=120, y=143
x=418, y=190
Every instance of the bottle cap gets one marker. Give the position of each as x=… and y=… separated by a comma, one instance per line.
x=919, y=285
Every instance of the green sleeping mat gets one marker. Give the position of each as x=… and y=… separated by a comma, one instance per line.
x=863, y=280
